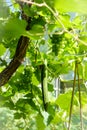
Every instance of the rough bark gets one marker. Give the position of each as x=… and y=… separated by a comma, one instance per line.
x=18, y=57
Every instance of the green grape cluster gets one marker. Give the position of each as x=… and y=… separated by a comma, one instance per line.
x=56, y=40
x=25, y=81
x=28, y=75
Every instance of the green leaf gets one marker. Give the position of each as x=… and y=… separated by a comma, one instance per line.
x=14, y=28
x=65, y=20
x=40, y=122
x=18, y=115
x=71, y=6
x=1, y=29
x=50, y=118
x=4, y=10
x=58, y=117
x=50, y=87
x=2, y=49
x=36, y=32
x=9, y=104
x=33, y=105
x=39, y=1
x=84, y=98
x=63, y=101
x=34, y=80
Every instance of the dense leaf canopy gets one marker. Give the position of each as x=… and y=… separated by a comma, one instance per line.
x=42, y=42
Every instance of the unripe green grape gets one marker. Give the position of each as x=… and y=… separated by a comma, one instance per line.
x=56, y=40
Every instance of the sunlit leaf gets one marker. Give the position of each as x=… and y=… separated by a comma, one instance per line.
x=2, y=49
x=40, y=122
x=63, y=101
x=34, y=80
x=71, y=6
x=14, y=28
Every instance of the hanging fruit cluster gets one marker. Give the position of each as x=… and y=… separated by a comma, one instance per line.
x=56, y=41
